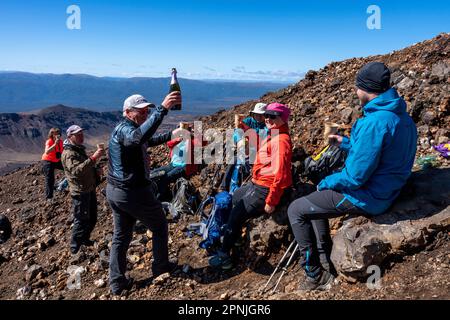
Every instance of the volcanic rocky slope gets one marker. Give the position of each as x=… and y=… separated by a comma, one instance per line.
x=35, y=262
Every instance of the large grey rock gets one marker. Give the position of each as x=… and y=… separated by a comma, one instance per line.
x=440, y=69
x=418, y=215
x=32, y=272
x=346, y=115
x=405, y=84
x=265, y=234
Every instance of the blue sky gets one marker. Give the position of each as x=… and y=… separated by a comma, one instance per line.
x=215, y=39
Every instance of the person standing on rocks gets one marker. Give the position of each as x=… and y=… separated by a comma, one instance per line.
x=81, y=175
x=130, y=192
x=271, y=176
x=51, y=160
x=381, y=153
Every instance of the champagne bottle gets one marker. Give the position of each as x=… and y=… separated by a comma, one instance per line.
x=175, y=86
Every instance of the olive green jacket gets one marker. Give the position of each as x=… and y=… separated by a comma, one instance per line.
x=79, y=169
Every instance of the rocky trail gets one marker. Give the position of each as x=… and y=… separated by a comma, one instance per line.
x=36, y=262
x=412, y=240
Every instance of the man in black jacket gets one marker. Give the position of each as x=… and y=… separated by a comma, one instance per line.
x=130, y=192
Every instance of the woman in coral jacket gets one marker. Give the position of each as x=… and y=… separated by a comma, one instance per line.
x=51, y=159
x=271, y=176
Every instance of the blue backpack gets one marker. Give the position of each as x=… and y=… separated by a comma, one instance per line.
x=211, y=225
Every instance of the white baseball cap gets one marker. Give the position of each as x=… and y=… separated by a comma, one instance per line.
x=260, y=108
x=74, y=129
x=136, y=101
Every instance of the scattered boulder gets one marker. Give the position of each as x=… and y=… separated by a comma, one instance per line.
x=100, y=283
x=405, y=84
x=346, y=115
x=23, y=292
x=358, y=246
x=27, y=214
x=265, y=235
x=428, y=117
x=159, y=280
x=441, y=70
x=18, y=201
x=410, y=225
x=32, y=272
x=104, y=259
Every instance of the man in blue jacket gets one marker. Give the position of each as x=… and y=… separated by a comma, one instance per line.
x=129, y=192
x=381, y=153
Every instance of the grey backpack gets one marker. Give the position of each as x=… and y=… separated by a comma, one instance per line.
x=185, y=198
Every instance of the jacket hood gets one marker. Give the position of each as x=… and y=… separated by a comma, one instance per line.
x=387, y=101
x=68, y=145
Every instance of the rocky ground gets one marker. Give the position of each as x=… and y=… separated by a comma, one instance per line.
x=36, y=264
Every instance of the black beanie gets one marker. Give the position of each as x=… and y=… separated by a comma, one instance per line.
x=374, y=77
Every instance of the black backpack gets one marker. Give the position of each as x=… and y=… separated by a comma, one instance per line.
x=331, y=159
x=5, y=229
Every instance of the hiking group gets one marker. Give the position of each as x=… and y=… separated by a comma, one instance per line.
x=380, y=155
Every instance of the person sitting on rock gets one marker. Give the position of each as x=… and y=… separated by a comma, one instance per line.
x=51, y=160
x=255, y=122
x=381, y=153
x=130, y=192
x=81, y=175
x=271, y=176
x=180, y=165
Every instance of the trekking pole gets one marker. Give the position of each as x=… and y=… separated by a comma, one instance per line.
x=285, y=269
x=279, y=264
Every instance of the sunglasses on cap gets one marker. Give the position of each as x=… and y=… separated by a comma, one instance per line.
x=270, y=116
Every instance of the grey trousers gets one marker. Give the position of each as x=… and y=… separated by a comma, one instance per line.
x=129, y=206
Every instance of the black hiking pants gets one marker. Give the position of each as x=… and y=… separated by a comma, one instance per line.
x=171, y=174
x=308, y=217
x=84, y=217
x=248, y=202
x=48, y=168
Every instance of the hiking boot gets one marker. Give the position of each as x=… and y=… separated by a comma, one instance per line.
x=221, y=260
x=88, y=243
x=125, y=287
x=322, y=282
x=239, y=242
x=168, y=268
x=75, y=248
x=327, y=265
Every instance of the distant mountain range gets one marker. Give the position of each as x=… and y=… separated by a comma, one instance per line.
x=26, y=133
x=22, y=91
x=23, y=135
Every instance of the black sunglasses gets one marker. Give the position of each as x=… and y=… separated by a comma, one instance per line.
x=271, y=116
